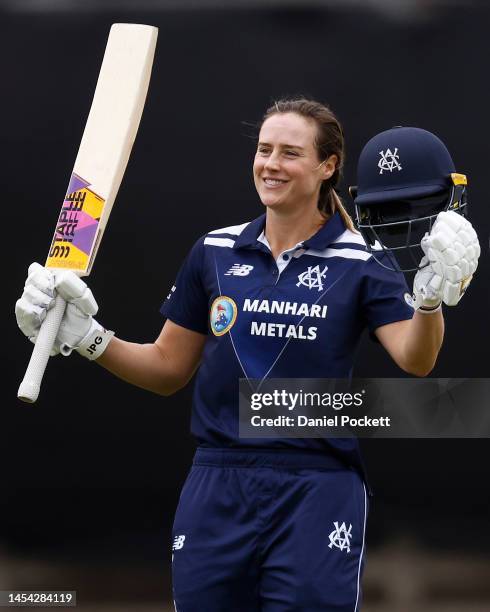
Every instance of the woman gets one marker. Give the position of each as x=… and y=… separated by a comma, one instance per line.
x=264, y=524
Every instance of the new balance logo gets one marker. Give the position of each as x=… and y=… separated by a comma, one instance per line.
x=239, y=270
x=178, y=542
x=341, y=537
x=312, y=278
x=389, y=161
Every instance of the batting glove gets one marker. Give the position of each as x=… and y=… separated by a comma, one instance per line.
x=451, y=253
x=78, y=330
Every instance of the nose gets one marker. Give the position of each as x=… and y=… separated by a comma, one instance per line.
x=272, y=162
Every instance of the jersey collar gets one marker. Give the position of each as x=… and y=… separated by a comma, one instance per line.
x=327, y=234
x=248, y=237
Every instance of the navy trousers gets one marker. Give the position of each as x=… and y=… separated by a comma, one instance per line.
x=269, y=531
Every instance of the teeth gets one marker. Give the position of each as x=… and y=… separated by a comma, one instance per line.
x=274, y=182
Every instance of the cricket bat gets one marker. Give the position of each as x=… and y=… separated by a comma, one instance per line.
x=104, y=151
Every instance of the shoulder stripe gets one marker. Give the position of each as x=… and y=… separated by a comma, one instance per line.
x=352, y=237
x=348, y=245
x=219, y=242
x=344, y=253
x=234, y=230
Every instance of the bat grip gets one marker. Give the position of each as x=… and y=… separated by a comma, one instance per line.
x=30, y=386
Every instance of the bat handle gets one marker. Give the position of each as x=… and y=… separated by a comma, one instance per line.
x=31, y=385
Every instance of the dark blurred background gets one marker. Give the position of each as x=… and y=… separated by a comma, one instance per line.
x=92, y=471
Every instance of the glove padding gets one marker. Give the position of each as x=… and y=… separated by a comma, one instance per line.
x=451, y=253
x=39, y=297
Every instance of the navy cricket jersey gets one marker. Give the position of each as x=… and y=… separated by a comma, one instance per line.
x=298, y=317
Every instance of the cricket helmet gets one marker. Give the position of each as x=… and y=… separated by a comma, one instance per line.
x=405, y=178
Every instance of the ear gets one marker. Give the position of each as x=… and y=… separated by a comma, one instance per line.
x=329, y=166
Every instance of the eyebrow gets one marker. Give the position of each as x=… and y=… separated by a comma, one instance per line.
x=286, y=146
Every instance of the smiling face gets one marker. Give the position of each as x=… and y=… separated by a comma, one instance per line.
x=287, y=170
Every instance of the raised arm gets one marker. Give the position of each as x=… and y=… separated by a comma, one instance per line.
x=451, y=258
x=414, y=344
x=163, y=366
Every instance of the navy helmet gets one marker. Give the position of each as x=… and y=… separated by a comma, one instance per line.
x=406, y=177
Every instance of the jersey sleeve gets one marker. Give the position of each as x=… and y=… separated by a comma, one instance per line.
x=385, y=296
x=187, y=302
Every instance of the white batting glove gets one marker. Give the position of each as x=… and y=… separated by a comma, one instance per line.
x=451, y=258
x=78, y=330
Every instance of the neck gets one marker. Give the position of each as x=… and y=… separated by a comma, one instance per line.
x=284, y=229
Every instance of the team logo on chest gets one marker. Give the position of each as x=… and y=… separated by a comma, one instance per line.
x=312, y=278
x=223, y=315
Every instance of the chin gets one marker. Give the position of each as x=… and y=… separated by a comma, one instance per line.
x=271, y=204
x=270, y=201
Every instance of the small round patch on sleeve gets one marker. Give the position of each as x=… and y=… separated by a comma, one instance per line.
x=409, y=300
x=222, y=315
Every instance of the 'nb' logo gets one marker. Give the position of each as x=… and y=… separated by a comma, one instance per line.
x=239, y=270
x=178, y=542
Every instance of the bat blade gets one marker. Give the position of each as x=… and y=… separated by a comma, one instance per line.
x=104, y=151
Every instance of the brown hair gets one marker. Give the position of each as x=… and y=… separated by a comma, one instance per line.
x=329, y=141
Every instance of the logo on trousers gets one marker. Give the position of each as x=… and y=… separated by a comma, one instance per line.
x=178, y=542
x=340, y=537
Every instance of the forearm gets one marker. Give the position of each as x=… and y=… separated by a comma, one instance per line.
x=422, y=342
x=142, y=365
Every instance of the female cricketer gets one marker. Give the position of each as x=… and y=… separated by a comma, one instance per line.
x=278, y=525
